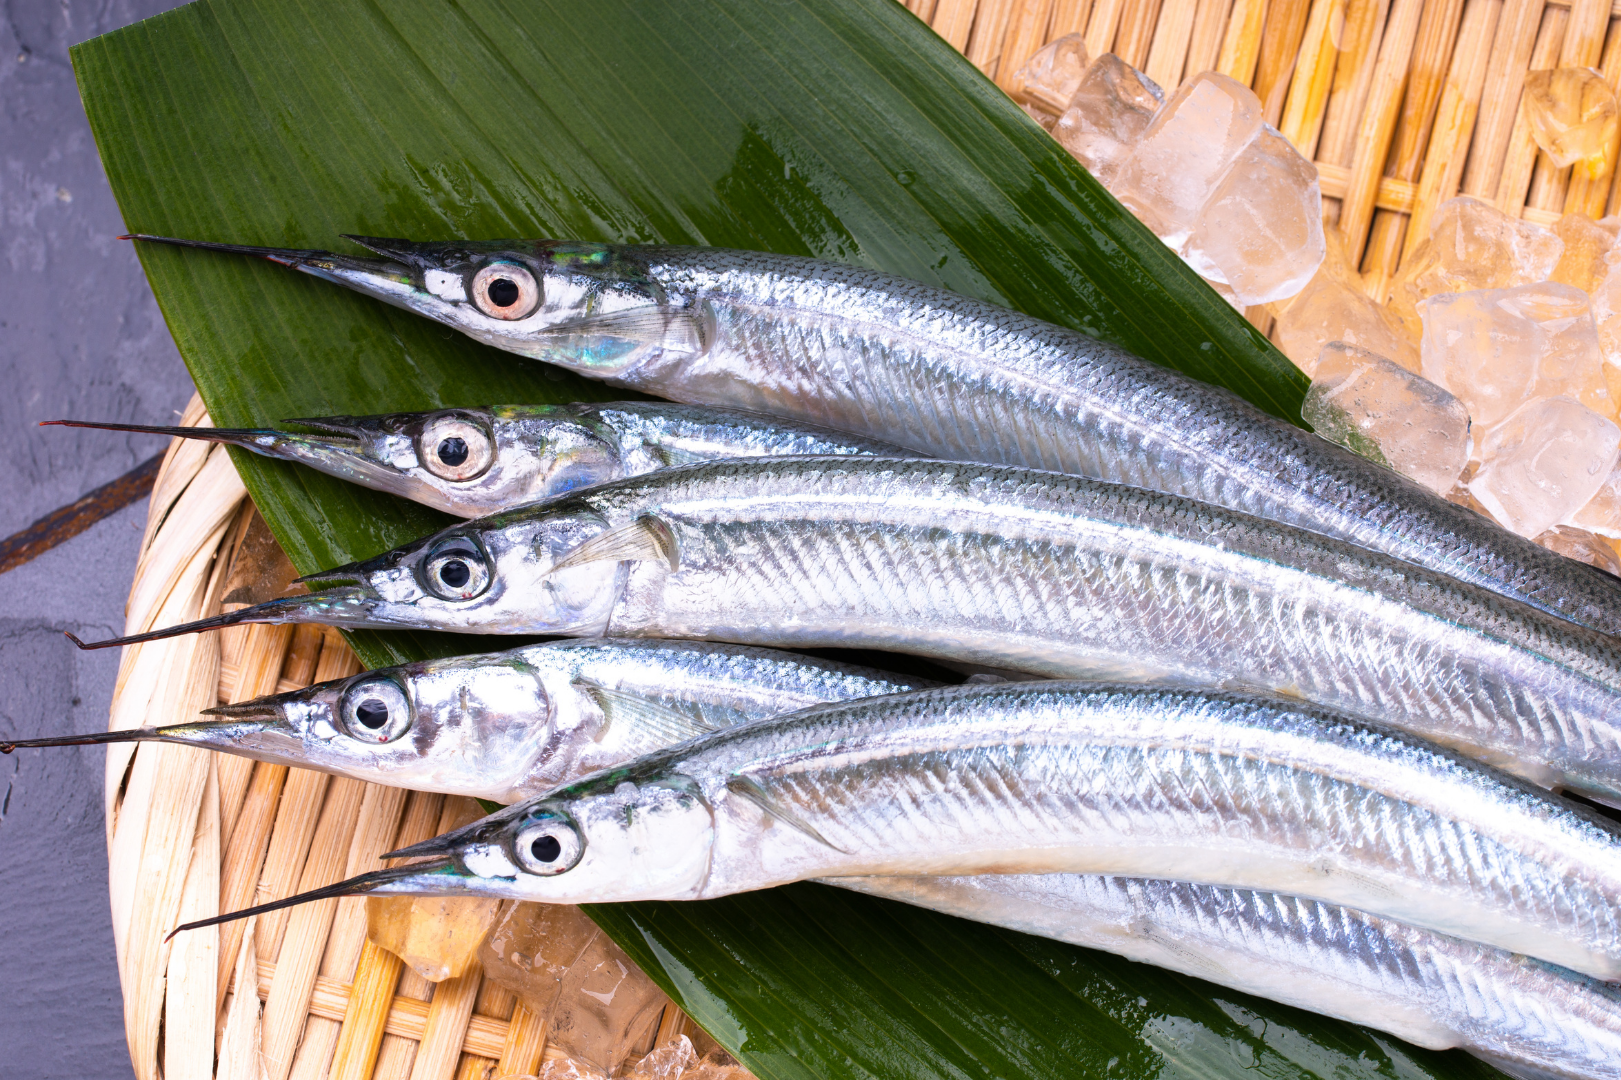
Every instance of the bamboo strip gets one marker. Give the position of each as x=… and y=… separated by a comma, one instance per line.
x=244, y=857
x=1169, y=51
x=1136, y=31
x=524, y=1044
x=1581, y=46
x=239, y=1041
x=1500, y=97
x=308, y=925
x=1101, y=26
x=1241, y=45
x=1454, y=120
x=366, y=1013
x=1026, y=32
x=1304, y=108
x=290, y=838
x=989, y=31
x=1209, y=28
x=189, y=1004
x=1378, y=123
x=1585, y=195
x=1432, y=55
x=1280, y=50
x=446, y=1027
x=1522, y=153
x=1068, y=17
x=1353, y=73
x=953, y=19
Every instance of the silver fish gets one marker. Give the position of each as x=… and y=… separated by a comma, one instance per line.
x=1236, y=790
x=1039, y=572
x=1526, y=1017
x=473, y=462
x=510, y=725
x=938, y=373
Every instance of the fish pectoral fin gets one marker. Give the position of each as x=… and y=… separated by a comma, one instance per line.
x=661, y=328
x=750, y=789
x=647, y=539
x=662, y=725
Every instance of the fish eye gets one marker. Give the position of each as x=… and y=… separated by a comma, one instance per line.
x=505, y=290
x=453, y=448
x=456, y=569
x=548, y=846
x=375, y=711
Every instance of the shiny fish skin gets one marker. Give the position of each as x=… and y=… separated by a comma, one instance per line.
x=1219, y=788
x=510, y=725
x=1431, y=989
x=1050, y=574
x=941, y=374
x=510, y=455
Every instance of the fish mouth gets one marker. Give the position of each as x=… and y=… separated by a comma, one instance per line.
x=396, y=278
x=350, y=606
x=239, y=722
x=439, y=878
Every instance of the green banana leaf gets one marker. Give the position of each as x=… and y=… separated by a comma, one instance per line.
x=841, y=129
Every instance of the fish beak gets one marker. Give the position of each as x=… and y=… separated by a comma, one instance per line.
x=243, y=726
x=347, y=446
x=395, y=278
x=439, y=878
x=352, y=606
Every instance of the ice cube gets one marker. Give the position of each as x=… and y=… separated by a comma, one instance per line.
x=1262, y=229
x=1587, y=243
x=1107, y=116
x=599, y=1006
x=1194, y=138
x=438, y=936
x=1542, y=462
x=1384, y=412
x=1498, y=348
x=1602, y=513
x=1472, y=245
x=1050, y=77
x=1582, y=546
x=1333, y=307
x=1573, y=117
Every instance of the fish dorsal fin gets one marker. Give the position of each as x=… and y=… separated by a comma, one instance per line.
x=656, y=327
x=662, y=725
x=750, y=789
x=647, y=539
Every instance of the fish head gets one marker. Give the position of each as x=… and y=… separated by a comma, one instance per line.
x=507, y=573
x=464, y=461
x=468, y=725
x=592, y=308
x=604, y=840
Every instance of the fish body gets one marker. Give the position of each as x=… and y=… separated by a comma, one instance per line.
x=1220, y=788
x=473, y=462
x=510, y=725
x=1437, y=991
x=1038, y=572
x=941, y=374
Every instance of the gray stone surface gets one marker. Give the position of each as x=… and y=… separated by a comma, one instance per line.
x=81, y=337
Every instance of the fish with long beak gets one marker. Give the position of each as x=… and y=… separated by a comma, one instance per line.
x=510, y=725
x=1008, y=568
x=1209, y=787
x=474, y=462
x=938, y=373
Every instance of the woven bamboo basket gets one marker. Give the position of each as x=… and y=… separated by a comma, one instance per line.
x=1401, y=104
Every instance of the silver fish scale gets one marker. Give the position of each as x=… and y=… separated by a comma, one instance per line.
x=1043, y=767
x=1065, y=577
x=1432, y=989
x=953, y=377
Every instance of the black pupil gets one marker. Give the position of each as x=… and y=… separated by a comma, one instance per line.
x=503, y=292
x=546, y=848
x=453, y=451
x=455, y=573
x=372, y=712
